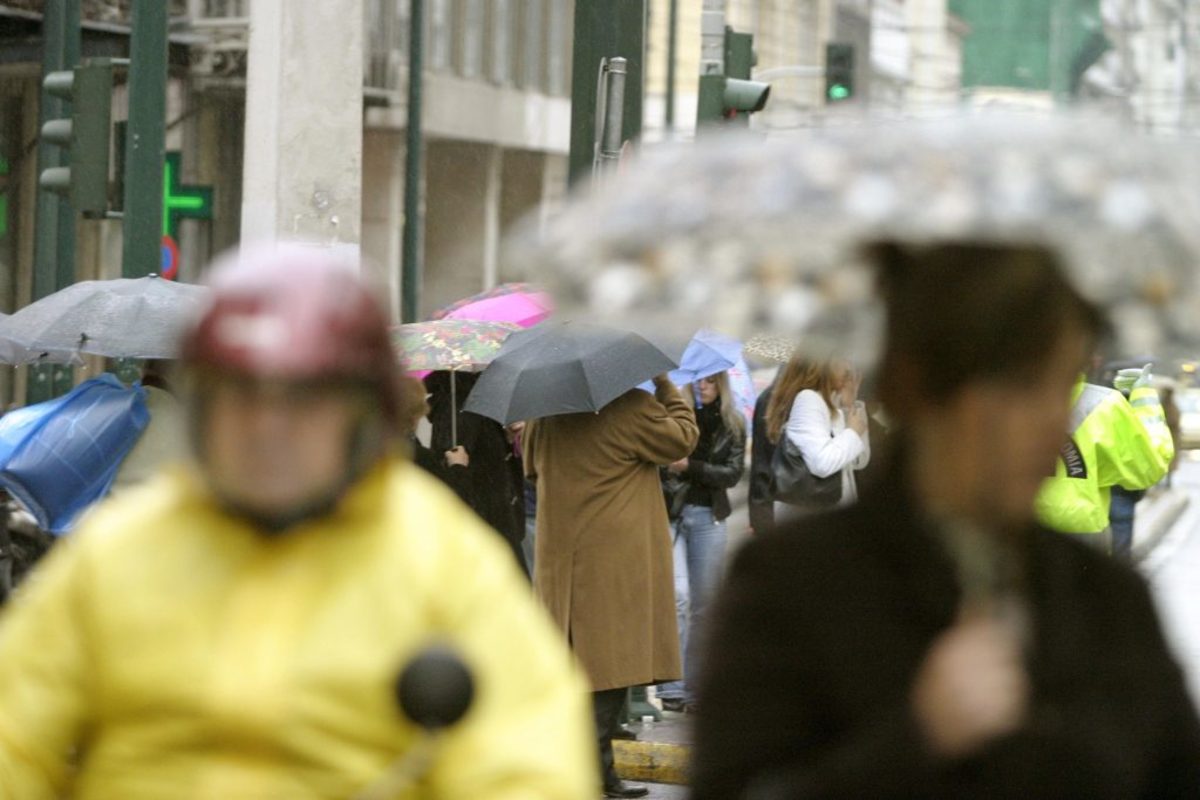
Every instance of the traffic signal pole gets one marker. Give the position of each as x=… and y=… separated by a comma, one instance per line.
x=604, y=29
x=729, y=97
x=414, y=220
x=145, y=140
x=54, y=244
x=54, y=238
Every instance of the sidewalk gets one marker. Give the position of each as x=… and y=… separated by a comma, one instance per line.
x=1158, y=511
x=661, y=752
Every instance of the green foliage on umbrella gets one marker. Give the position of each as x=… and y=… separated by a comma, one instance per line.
x=450, y=344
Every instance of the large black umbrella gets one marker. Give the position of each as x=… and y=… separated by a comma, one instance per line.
x=564, y=368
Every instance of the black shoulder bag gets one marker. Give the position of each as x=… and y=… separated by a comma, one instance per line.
x=793, y=483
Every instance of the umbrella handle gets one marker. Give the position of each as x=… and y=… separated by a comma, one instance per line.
x=453, y=409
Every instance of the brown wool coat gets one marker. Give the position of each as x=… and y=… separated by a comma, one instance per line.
x=603, y=564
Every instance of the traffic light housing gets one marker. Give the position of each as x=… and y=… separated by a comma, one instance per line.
x=732, y=97
x=85, y=135
x=839, y=72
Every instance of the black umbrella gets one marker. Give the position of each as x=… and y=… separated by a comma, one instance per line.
x=564, y=368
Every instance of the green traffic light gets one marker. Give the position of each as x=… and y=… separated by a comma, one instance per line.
x=838, y=92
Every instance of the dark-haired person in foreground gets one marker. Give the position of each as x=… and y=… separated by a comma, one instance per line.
x=935, y=641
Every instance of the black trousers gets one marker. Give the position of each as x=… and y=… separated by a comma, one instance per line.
x=607, y=707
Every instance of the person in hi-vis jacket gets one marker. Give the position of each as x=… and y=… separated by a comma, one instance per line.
x=1111, y=441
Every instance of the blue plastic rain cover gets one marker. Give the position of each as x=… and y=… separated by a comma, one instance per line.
x=60, y=456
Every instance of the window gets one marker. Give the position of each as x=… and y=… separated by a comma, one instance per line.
x=439, y=33
x=470, y=38
x=532, y=41
x=558, y=68
x=500, y=35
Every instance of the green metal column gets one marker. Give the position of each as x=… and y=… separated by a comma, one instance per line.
x=410, y=276
x=144, y=140
x=54, y=238
x=604, y=29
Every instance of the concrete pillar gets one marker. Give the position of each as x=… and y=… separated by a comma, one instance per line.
x=219, y=133
x=523, y=199
x=554, y=188
x=462, y=220
x=929, y=91
x=303, y=159
x=491, y=215
x=383, y=209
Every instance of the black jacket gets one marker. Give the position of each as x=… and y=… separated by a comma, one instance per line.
x=762, y=451
x=819, y=633
x=721, y=472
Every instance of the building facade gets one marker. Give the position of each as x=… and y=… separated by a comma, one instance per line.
x=908, y=58
x=496, y=118
x=1151, y=73
x=496, y=121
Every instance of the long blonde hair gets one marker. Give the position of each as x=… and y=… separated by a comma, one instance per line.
x=732, y=418
x=800, y=373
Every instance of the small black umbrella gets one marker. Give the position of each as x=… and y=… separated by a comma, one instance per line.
x=564, y=368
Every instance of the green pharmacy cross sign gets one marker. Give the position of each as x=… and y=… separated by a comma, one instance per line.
x=179, y=201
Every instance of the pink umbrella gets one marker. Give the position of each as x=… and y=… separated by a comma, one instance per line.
x=518, y=303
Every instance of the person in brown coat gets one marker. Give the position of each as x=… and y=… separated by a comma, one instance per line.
x=603, y=562
x=935, y=641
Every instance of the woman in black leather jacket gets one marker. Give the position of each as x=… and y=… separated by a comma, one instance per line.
x=697, y=495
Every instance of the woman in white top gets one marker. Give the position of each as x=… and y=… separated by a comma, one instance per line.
x=814, y=405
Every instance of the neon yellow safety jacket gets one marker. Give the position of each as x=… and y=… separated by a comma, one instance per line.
x=1111, y=442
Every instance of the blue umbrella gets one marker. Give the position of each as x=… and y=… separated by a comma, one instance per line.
x=707, y=354
x=744, y=393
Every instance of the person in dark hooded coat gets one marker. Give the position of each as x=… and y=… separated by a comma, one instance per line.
x=481, y=465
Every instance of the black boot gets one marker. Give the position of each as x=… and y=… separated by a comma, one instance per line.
x=625, y=733
x=620, y=788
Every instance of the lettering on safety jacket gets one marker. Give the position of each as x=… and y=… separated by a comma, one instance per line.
x=1072, y=459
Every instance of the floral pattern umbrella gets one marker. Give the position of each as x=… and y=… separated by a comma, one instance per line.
x=770, y=349
x=462, y=345
x=450, y=344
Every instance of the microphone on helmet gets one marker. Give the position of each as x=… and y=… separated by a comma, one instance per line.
x=434, y=690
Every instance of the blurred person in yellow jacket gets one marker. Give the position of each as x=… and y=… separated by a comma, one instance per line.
x=1111, y=442
x=235, y=629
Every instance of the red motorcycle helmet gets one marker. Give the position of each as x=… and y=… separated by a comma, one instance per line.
x=296, y=313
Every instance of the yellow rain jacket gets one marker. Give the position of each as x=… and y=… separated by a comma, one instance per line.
x=1112, y=442
x=167, y=650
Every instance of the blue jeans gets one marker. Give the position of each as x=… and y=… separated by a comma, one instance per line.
x=699, y=564
x=1120, y=519
x=529, y=546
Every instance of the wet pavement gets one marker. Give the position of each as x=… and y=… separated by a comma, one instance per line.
x=1173, y=570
